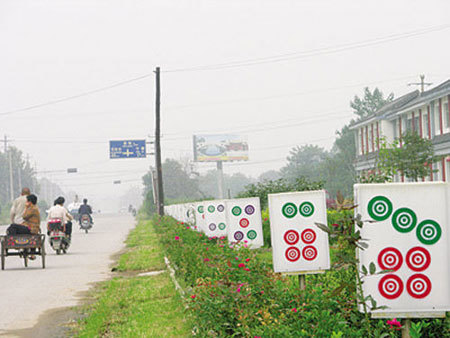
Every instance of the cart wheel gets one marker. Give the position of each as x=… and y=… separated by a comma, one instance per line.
x=43, y=257
x=3, y=258
x=58, y=251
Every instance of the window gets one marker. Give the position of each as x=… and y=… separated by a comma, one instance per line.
x=425, y=124
x=447, y=169
x=409, y=123
x=437, y=119
x=370, y=131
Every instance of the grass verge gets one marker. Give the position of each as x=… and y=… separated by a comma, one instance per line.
x=135, y=306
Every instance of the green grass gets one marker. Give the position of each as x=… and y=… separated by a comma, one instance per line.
x=137, y=306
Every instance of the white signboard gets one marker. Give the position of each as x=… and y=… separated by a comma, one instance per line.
x=298, y=244
x=215, y=218
x=244, y=221
x=410, y=237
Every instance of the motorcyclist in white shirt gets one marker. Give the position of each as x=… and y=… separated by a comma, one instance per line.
x=58, y=211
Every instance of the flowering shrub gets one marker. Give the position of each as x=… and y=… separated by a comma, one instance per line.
x=234, y=292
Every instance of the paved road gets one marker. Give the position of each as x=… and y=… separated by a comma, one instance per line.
x=25, y=293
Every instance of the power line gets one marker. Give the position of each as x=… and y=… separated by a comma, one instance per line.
x=72, y=97
x=312, y=52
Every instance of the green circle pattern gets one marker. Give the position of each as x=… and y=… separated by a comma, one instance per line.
x=252, y=234
x=404, y=220
x=289, y=210
x=211, y=208
x=200, y=209
x=222, y=226
x=306, y=209
x=379, y=208
x=429, y=232
x=236, y=211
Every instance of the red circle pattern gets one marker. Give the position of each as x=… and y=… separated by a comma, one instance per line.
x=291, y=237
x=292, y=254
x=308, y=236
x=418, y=259
x=309, y=253
x=244, y=222
x=418, y=286
x=390, y=259
x=390, y=286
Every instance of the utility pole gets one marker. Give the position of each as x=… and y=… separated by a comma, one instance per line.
x=159, y=178
x=422, y=83
x=220, y=178
x=11, y=187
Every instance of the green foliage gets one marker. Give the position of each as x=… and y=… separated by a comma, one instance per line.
x=262, y=189
x=370, y=103
x=304, y=161
x=411, y=156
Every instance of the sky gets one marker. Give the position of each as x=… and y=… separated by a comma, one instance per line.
x=281, y=72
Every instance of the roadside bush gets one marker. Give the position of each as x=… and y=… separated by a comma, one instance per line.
x=234, y=292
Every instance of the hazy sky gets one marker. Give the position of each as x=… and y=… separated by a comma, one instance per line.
x=291, y=68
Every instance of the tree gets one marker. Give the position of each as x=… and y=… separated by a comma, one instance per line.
x=338, y=171
x=304, y=162
x=370, y=103
x=410, y=156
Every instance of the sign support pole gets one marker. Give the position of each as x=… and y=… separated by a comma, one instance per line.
x=160, y=191
x=220, y=178
x=302, y=282
x=406, y=328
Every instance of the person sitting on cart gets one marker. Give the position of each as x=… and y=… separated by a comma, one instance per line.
x=58, y=211
x=31, y=221
x=18, y=207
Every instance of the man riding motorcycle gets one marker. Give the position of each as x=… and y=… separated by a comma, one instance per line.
x=85, y=209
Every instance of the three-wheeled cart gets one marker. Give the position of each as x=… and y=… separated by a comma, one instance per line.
x=21, y=245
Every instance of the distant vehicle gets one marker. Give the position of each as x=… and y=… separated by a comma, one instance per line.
x=73, y=209
x=57, y=237
x=85, y=223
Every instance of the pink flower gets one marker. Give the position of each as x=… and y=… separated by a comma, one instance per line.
x=236, y=258
x=241, y=265
x=193, y=296
x=187, y=228
x=221, y=245
x=266, y=218
x=245, y=246
x=207, y=248
x=335, y=225
x=238, y=290
x=247, y=269
x=245, y=241
x=206, y=260
x=177, y=238
x=394, y=322
x=262, y=292
x=247, y=260
x=294, y=309
x=182, y=222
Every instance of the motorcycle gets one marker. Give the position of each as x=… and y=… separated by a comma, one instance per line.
x=57, y=237
x=85, y=223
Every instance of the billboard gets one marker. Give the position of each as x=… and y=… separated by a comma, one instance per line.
x=223, y=147
x=409, y=240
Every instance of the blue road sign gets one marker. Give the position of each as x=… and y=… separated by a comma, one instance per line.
x=127, y=149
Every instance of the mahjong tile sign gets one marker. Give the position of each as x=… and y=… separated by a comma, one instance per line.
x=215, y=218
x=411, y=238
x=298, y=244
x=244, y=221
x=200, y=222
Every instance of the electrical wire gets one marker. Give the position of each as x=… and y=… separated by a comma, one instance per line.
x=312, y=52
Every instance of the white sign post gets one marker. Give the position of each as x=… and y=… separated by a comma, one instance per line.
x=244, y=221
x=215, y=218
x=299, y=247
x=410, y=237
